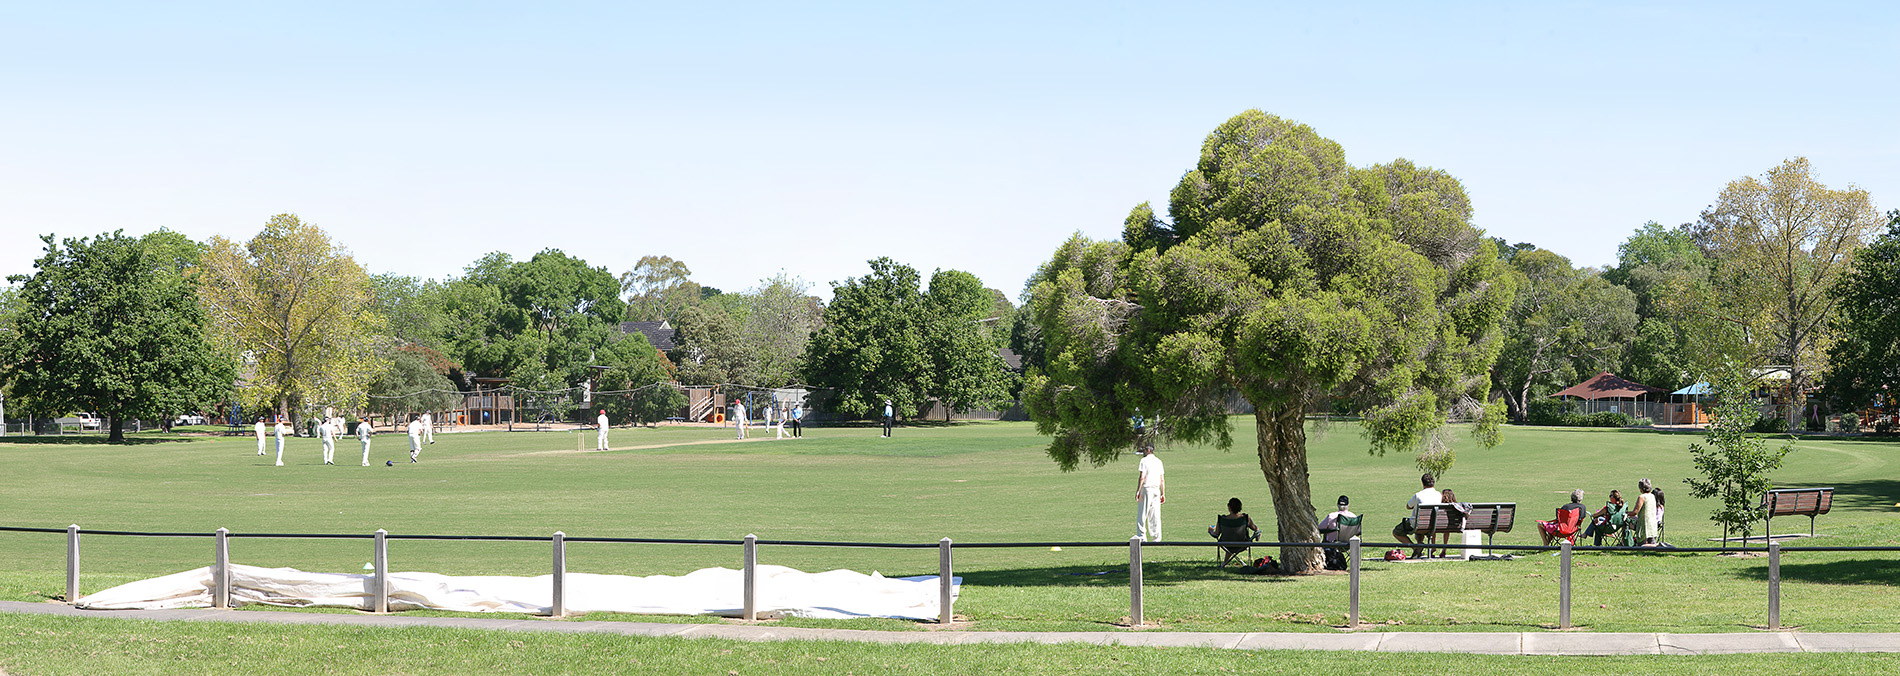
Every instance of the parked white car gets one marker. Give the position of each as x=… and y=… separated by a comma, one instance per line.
x=190, y=419
x=88, y=421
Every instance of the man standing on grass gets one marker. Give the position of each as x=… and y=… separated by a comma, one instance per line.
x=260, y=435
x=428, y=427
x=281, y=429
x=326, y=434
x=738, y=417
x=887, y=418
x=1151, y=489
x=600, y=423
x=415, y=439
x=363, y=432
x=798, y=421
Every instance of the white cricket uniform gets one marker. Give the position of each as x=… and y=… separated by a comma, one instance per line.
x=738, y=419
x=363, y=432
x=779, y=429
x=428, y=428
x=1148, y=505
x=260, y=436
x=600, y=440
x=326, y=433
x=281, y=429
x=415, y=440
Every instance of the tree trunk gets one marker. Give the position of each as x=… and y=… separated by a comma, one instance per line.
x=1282, y=448
x=117, y=435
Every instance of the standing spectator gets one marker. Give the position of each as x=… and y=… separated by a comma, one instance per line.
x=1646, y=516
x=888, y=416
x=1428, y=495
x=798, y=421
x=364, y=431
x=1151, y=491
x=600, y=436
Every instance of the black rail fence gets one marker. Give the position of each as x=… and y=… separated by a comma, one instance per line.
x=221, y=580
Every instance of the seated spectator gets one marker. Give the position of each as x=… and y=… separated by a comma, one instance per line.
x=1457, y=518
x=1425, y=496
x=1608, y=520
x=1568, y=522
x=1659, y=515
x=1234, y=526
x=1644, y=515
x=1342, y=522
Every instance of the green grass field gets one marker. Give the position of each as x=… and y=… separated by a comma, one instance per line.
x=981, y=482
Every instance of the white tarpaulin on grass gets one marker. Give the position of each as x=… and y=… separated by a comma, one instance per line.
x=838, y=594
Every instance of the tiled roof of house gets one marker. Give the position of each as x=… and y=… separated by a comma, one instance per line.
x=659, y=333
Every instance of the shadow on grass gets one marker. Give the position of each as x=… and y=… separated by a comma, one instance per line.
x=1153, y=574
x=1884, y=572
x=1869, y=494
x=88, y=440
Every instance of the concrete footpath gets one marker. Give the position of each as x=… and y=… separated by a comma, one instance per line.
x=1513, y=643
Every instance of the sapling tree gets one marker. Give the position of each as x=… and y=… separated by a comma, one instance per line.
x=1734, y=464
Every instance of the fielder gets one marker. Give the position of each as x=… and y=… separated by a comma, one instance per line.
x=428, y=427
x=415, y=439
x=260, y=435
x=281, y=429
x=780, y=428
x=600, y=423
x=326, y=433
x=738, y=418
x=363, y=432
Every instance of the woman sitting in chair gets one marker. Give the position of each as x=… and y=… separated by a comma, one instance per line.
x=1609, y=520
x=1235, y=526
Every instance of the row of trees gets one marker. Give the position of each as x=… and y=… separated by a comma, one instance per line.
x=1768, y=275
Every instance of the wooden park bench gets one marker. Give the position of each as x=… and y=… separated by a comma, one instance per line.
x=1809, y=502
x=1489, y=518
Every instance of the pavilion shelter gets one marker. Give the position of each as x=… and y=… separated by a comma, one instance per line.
x=1609, y=393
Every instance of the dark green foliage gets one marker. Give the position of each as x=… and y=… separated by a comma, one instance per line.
x=113, y=324
x=410, y=385
x=1556, y=413
x=1865, y=362
x=1769, y=426
x=1289, y=278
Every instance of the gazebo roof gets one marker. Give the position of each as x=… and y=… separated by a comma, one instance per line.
x=1607, y=385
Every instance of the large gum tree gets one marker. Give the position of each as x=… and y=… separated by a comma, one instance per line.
x=1289, y=279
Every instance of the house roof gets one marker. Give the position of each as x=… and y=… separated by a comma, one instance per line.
x=1010, y=358
x=1698, y=388
x=659, y=333
x=1607, y=385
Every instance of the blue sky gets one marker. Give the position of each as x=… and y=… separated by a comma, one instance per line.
x=749, y=139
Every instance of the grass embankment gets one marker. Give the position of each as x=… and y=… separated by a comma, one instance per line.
x=973, y=483
x=33, y=645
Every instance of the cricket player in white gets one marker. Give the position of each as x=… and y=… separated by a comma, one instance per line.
x=1151, y=489
x=415, y=439
x=738, y=418
x=326, y=433
x=780, y=428
x=600, y=437
x=281, y=429
x=363, y=432
x=428, y=427
x=260, y=435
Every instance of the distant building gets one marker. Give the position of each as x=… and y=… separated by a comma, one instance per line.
x=659, y=334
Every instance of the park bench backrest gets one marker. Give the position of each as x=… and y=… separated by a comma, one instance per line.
x=1492, y=517
x=1432, y=519
x=1798, y=501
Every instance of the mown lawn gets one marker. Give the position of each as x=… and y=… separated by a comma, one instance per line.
x=986, y=482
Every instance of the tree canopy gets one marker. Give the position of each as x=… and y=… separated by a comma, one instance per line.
x=112, y=324
x=1864, y=364
x=1565, y=324
x=1781, y=242
x=1287, y=278
x=299, y=307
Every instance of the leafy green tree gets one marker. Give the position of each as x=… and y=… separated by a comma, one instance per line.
x=872, y=343
x=113, y=324
x=1734, y=464
x=412, y=309
x=409, y=384
x=965, y=370
x=659, y=288
x=637, y=386
x=299, y=307
x=1565, y=324
x=780, y=318
x=710, y=347
x=1864, y=364
x=1681, y=326
x=1781, y=242
x=1295, y=279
